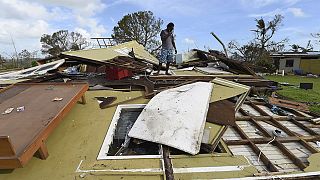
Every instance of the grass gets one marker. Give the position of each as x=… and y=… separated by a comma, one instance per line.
x=311, y=96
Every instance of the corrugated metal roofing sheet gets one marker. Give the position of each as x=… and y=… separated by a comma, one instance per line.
x=105, y=54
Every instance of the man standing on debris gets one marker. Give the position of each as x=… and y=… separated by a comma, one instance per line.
x=168, y=45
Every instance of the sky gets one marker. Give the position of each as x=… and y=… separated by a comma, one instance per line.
x=22, y=22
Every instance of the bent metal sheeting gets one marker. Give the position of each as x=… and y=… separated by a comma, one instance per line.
x=175, y=117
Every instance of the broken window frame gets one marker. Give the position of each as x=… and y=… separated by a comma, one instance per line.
x=111, y=132
x=104, y=149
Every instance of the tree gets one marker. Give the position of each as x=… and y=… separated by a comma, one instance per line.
x=141, y=26
x=257, y=51
x=26, y=57
x=298, y=48
x=317, y=36
x=62, y=41
x=265, y=32
x=1, y=61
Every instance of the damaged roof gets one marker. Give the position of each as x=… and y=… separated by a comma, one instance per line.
x=107, y=54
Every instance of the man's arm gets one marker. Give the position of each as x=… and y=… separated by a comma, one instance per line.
x=174, y=45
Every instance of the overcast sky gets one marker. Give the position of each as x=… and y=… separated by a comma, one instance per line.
x=26, y=20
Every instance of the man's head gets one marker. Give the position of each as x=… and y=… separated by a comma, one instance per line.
x=170, y=26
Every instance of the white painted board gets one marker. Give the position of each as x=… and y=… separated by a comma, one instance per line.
x=175, y=117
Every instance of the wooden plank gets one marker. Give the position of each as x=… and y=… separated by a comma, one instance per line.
x=308, y=146
x=167, y=163
x=276, y=156
x=236, y=142
x=43, y=151
x=264, y=158
x=6, y=148
x=288, y=104
x=288, y=153
x=221, y=112
x=293, y=127
x=302, y=126
x=249, y=110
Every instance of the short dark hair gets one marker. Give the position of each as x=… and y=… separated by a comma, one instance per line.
x=170, y=25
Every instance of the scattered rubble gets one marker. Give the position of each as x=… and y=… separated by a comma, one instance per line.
x=207, y=109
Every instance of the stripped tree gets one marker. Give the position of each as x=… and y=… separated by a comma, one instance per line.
x=62, y=41
x=317, y=36
x=141, y=26
x=257, y=51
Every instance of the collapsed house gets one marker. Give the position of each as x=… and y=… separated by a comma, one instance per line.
x=205, y=121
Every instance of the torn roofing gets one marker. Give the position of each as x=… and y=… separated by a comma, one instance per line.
x=175, y=117
x=236, y=66
x=37, y=70
x=106, y=54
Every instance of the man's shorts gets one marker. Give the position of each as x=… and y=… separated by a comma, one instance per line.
x=166, y=56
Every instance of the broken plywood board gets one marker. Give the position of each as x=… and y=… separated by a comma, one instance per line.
x=175, y=117
x=222, y=113
x=224, y=89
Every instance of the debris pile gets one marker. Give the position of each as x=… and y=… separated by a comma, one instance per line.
x=209, y=107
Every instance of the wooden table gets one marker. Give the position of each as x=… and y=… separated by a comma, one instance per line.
x=22, y=134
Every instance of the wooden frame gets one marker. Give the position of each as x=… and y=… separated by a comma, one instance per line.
x=36, y=144
x=278, y=142
x=111, y=131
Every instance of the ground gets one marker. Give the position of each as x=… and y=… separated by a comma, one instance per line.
x=297, y=94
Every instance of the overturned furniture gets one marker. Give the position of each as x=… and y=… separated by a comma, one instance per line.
x=30, y=112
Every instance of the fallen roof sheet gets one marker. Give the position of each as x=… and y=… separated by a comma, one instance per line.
x=107, y=54
x=175, y=117
x=37, y=70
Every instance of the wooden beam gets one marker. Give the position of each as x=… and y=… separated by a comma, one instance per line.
x=167, y=163
x=256, y=149
x=260, y=128
x=308, y=146
x=43, y=151
x=262, y=112
x=83, y=99
x=236, y=142
x=302, y=126
x=290, y=155
x=264, y=158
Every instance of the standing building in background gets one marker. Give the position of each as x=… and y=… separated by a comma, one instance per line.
x=297, y=62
